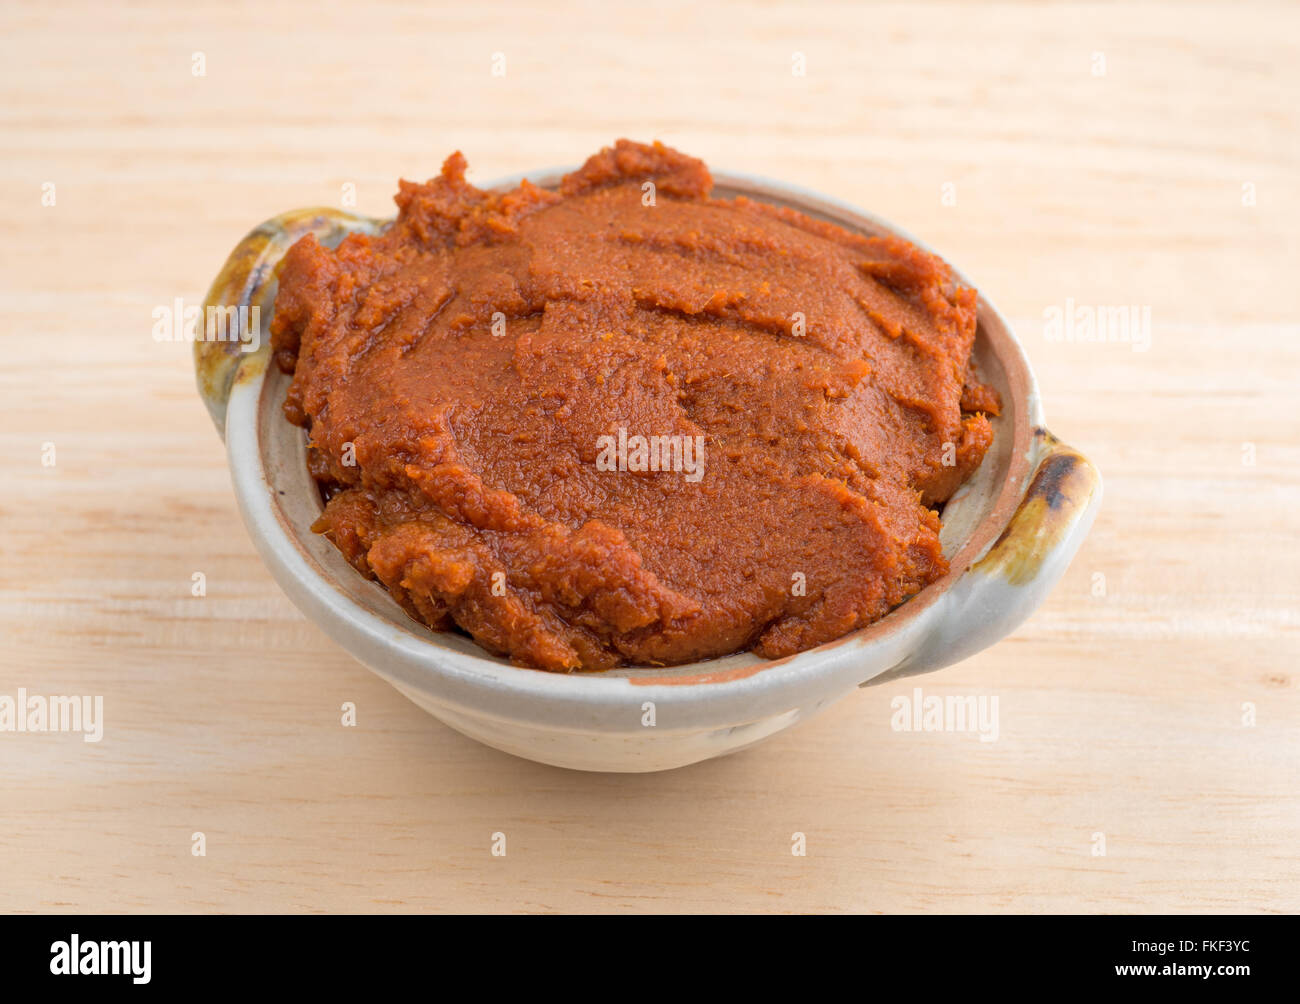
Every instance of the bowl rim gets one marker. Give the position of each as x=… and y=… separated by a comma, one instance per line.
x=747, y=690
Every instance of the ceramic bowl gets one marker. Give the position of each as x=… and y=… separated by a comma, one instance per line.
x=1009, y=534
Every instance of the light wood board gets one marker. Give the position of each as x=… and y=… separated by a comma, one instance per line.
x=1167, y=181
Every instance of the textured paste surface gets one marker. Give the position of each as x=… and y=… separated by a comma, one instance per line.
x=464, y=374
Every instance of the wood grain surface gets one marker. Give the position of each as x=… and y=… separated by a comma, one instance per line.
x=1107, y=155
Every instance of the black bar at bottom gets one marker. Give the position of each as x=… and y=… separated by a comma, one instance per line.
x=581, y=955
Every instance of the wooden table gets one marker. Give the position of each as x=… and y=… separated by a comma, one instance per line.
x=1107, y=156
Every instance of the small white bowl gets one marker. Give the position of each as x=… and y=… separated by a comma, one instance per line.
x=1009, y=534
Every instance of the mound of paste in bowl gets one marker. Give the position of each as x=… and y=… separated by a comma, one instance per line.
x=626, y=422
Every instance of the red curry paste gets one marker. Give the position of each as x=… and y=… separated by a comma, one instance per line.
x=468, y=376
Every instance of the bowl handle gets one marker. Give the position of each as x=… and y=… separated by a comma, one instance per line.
x=247, y=279
x=1001, y=589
